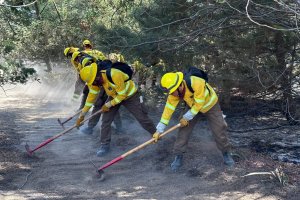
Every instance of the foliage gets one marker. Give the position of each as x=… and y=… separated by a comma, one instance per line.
x=14, y=72
x=249, y=48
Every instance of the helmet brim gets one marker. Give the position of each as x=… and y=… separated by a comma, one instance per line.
x=88, y=74
x=93, y=73
x=180, y=78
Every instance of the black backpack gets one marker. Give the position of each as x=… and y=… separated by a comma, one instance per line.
x=103, y=64
x=85, y=55
x=91, y=59
x=123, y=67
x=193, y=71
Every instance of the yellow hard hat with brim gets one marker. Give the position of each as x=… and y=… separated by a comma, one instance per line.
x=75, y=55
x=66, y=51
x=88, y=73
x=86, y=61
x=171, y=81
x=70, y=50
x=86, y=42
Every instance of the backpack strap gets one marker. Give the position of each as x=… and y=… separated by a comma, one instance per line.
x=123, y=67
x=189, y=84
x=108, y=75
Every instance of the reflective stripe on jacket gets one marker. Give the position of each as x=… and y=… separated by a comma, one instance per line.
x=202, y=100
x=121, y=89
x=91, y=98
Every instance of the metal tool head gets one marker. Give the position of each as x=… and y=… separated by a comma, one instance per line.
x=29, y=151
x=101, y=175
x=60, y=123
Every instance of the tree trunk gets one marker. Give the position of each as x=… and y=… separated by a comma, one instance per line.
x=286, y=78
x=48, y=64
x=37, y=10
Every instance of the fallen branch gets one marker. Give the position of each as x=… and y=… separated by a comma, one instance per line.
x=277, y=173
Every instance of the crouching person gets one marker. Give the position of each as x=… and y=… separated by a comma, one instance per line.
x=121, y=90
x=201, y=99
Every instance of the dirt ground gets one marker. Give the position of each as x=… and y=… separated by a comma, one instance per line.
x=66, y=168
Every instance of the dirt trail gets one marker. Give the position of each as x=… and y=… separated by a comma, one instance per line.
x=64, y=169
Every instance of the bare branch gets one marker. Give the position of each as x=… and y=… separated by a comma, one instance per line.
x=264, y=25
x=21, y=6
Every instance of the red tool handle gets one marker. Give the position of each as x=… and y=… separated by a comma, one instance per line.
x=136, y=148
x=60, y=134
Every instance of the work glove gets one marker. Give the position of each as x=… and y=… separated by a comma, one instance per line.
x=155, y=136
x=184, y=122
x=159, y=129
x=79, y=120
x=106, y=107
x=186, y=118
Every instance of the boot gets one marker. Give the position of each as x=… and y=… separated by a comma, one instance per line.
x=177, y=163
x=88, y=130
x=103, y=150
x=228, y=159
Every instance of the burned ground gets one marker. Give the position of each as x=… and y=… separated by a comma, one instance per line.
x=66, y=168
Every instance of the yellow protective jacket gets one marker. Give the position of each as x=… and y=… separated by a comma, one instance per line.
x=202, y=100
x=94, y=53
x=119, y=91
x=116, y=57
x=120, y=58
x=77, y=66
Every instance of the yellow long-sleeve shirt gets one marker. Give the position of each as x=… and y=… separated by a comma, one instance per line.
x=119, y=90
x=202, y=100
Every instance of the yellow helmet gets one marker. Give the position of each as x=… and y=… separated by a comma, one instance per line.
x=66, y=51
x=88, y=73
x=86, y=61
x=75, y=55
x=86, y=42
x=171, y=81
x=70, y=50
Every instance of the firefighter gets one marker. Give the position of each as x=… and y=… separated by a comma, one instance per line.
x=81, y=59
x=87, y=48
x=79, y=84
x=203, y=100
x=80, y=87
x=116, y=57
x=121, y=91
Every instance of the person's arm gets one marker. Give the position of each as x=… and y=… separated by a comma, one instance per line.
x=122, y=88
x=169, y=109
x=91, y=98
